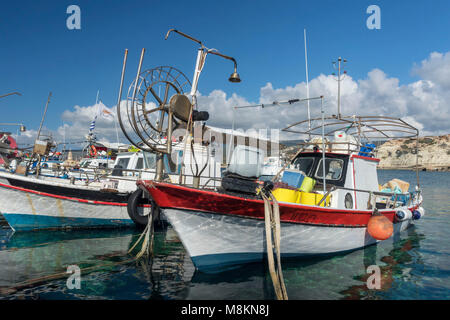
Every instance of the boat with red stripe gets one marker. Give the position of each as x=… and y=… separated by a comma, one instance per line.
x=328, y=196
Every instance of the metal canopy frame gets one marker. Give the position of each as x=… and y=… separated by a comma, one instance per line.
x=368, y=127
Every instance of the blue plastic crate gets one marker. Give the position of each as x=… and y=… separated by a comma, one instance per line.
x=293, y=178
x=366, y=150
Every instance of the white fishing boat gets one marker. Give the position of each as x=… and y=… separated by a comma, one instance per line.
x=319, y=214
x=110, y=199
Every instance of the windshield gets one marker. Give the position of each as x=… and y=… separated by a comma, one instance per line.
x=122, y=163
x=140, y=163
x=150, y=160
x=303, y=164
x=333, y=169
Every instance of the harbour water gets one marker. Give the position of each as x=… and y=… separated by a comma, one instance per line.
x=33, y=265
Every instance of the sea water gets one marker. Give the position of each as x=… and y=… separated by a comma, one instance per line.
x=416, y=265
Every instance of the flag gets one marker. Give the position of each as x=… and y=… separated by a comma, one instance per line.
x=92, y=126
x=106, y=112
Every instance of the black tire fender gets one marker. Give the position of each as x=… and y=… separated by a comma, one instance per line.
x=134, y=211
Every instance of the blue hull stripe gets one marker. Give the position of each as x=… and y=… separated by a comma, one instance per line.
x=28, y=222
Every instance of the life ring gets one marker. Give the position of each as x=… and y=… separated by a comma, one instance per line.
x=93, y=151
x=135, y=209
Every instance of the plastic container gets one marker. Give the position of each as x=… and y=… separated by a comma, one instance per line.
x=246, y=161
x=286, y=195
x=307, y=184
x=293, y=178
x=313, y=199
x=307, y=198
x=325, y=203
x=343, y=142
x=366, y=150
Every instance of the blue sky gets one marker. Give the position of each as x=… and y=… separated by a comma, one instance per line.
x=39, y=54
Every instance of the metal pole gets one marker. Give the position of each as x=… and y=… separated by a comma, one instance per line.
x=43, y=117
x=119, y=98
x=11, y=93
x=339, y=88
x=323, y=146
x=307, y=82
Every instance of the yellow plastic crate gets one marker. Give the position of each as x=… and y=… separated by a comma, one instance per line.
x=286, y=195
x=313, y=199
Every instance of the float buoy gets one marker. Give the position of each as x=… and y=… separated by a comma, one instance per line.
x=380, y=227
x=403, y=214
x=93, y=151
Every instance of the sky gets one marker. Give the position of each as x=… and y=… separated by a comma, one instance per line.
x=401, y=69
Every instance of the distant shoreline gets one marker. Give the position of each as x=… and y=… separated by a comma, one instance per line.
x=421, y=169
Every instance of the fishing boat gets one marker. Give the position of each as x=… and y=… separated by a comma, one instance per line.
x=319, y=213
x=30, y=201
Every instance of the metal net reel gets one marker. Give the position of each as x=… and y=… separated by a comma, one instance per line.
x=155, y=107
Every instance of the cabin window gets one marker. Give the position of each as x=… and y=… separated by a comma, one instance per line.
x=333, y=169
x=303, y=164
x=150, y=160
x=122, y=163
x=140, y=163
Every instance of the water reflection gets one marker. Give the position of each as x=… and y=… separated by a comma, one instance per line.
x=394, y=267
x=107, y=273
x=338, y=277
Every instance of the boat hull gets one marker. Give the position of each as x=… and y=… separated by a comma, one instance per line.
x=220, y=230
x=216, y=242
x=28, y=209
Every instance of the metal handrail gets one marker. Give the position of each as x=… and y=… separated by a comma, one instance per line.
x=376, y=193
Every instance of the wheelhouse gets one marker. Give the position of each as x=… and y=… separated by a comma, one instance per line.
x=311, y=164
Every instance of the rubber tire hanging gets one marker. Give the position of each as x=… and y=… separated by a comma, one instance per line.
x=134, y=201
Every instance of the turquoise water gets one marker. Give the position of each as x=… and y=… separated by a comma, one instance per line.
x=415, y=266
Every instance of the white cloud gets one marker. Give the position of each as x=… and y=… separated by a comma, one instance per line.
x=423, y=103
x=436, y=69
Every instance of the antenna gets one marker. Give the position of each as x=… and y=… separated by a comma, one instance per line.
x=307, y=81
x=43, y=116
x=339, y=79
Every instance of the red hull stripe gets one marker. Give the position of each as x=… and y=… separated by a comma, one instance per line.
x=66, y=198
x=179, y=197
x=365, y=158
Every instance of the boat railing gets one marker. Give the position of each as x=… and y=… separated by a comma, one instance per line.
x=338, y=147
x=373, y=195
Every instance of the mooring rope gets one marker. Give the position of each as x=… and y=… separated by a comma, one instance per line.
x=147, y=247
x=55, y=276
x=148, y=235
x=273, y=241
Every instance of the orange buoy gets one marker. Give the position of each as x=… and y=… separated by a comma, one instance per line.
x=379, y=227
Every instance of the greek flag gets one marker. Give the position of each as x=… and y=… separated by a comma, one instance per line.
x=92, y=126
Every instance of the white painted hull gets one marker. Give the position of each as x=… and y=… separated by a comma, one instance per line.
x=217, y=241
x=29, y=211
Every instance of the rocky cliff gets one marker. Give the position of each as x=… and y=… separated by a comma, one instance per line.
x=433, y=153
